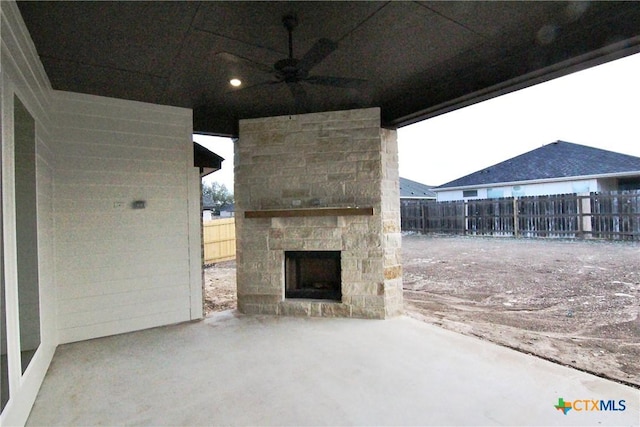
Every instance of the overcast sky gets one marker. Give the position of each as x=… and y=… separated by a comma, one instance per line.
x=598, y=107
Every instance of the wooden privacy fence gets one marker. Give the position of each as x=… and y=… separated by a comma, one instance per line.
x=605, y=215
x=219, y=237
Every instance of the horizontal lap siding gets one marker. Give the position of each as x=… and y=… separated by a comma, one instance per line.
x=120, y=269
x=114, y=307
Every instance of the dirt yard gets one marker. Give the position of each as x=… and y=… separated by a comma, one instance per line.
x=573, y=302
x=220, y=287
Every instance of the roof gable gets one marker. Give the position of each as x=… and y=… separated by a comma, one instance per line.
x=415, y=190
x=559, y=159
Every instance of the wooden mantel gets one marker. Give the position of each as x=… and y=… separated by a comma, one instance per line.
x=305, y=212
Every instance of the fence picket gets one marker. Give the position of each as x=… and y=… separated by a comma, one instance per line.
x=611, y=215
x=219, y=240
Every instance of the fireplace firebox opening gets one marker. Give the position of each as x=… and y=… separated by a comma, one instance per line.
x=313, y=275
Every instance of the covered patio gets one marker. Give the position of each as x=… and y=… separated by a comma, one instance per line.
x=232, y=369
x=101, y=207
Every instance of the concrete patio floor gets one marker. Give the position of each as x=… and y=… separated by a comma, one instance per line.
x=257, y=370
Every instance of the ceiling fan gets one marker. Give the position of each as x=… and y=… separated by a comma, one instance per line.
x=292, y=71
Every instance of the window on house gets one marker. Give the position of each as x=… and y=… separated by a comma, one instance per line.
x=470, y=193
x=629, y=183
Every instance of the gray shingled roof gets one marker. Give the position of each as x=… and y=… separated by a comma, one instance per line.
x=414, y=190
x=559, y=159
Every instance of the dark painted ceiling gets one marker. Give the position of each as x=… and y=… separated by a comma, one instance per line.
x=419, y=59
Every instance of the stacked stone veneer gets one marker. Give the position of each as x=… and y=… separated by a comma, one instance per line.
x=333, y=159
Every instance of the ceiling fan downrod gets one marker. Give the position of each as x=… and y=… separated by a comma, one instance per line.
x=290, y=22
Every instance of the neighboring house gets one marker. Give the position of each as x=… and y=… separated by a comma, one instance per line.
x=414, y=190
x=228, y=211
x=412, y=196
x=207, y=214
x=211, y=211
x=557, y=168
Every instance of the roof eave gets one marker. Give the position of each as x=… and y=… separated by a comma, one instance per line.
x=608, y=53
x=540, y=181
x=417, y=197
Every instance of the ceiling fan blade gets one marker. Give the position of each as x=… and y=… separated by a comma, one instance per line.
x=336, y=81
x=246, y=61
x=320, y=50
x=300, y=97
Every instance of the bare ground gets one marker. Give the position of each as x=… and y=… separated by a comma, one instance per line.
x=573, y=302
x=220, y=287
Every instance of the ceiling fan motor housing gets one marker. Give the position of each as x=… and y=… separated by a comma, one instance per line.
x=290, y=21
x=287, y=70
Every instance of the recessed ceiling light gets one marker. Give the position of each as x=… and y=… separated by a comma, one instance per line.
x=235, y=82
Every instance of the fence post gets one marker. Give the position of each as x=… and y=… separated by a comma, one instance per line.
x=585, y=214
x=466, y=216
x=580, y=233
x=515, y=216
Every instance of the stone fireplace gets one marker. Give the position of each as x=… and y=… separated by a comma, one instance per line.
x=318, y=216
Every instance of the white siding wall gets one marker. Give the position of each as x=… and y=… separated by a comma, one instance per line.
x=564, y=187
x=609, y=184
x=22, y=75
x=120, y=269
x=102, y=269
